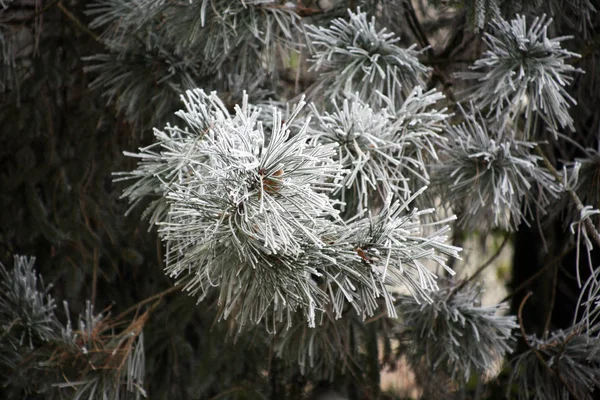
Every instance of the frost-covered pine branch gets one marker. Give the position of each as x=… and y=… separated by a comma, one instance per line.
x=491, y=178
x=525, y=73
x=253, y=201
x=385, y=150
x=300, y=225
x=27, y=310
x=581, y=175
x=559, y=367
x=368, y=147
x=97, y=360
x=352, y=55
x=99, y=363
x=247, y=210
x=155, y=50
x=454, y=334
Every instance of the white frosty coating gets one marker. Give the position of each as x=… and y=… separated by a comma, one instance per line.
x=246, y=208
x=524, y=72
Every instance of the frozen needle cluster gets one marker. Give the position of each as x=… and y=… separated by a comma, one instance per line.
x=455, y=334
x=354, y=56
x=524, y=72
x=489, y=177
x=246, y=206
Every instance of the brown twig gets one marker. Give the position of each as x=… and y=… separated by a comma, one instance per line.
x=520, y=316
x=376, y=317
x=552, y=299
x=78, y=23
x=148, y=300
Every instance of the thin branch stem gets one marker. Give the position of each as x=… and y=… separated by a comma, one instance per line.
x=78, y=23
x=520, y=316
x=552, y=299
x=94, y=276
x=148, y=300
x=417, y=29
x=45, y=8
x=481, y=268
x=376, y=317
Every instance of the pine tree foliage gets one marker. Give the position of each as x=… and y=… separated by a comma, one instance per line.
x=314, y=242
x=565, y=354
x=248, y=211
x=565, y=364
x=581, y=175
x=104, y=364
x=368, y=147
x=576, y=13
x=155, y=47
x=319, y=352
x=524, y=72
x=42, y=355
x=122, y=76
x=251, y=202
x=492, y=177
x=385, y=150
x=454, y=334
x=353, y=56
x=28, y=316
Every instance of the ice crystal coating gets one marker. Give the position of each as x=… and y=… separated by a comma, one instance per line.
x=456, y=334
x=247, y=208
x=489, y=177
x=524, y=72
x=356, y=57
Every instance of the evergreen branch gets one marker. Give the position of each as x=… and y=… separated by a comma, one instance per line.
x=455, y=334
x=523, y=73
x=489, y=175
x=356, y=57
x=553, y=372
x=589, y=226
